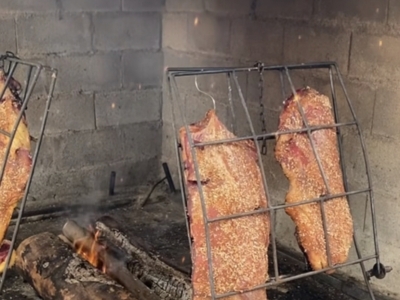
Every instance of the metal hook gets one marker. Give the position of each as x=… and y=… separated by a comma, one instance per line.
x=197, y=87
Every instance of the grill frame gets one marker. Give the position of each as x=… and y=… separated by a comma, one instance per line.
x=379, y=270
x=11, y=62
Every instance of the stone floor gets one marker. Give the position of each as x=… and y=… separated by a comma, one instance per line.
x=161, y=225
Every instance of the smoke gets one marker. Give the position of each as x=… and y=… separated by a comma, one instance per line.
x=90, y=208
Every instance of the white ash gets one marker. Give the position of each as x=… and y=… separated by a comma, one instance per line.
x=79, y=271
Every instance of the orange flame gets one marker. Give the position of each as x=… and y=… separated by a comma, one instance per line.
x=88, y=248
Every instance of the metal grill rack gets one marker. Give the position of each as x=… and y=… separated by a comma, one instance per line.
x=284, y=72
x=30, y=73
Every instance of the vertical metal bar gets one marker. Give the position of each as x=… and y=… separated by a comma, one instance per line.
x=282, y=84
x=178, y=160
x=111, y=187
x=202, y=201
x=21, y=113
x=28, y=79
x=260, y=162
x=367, y=167
x=9, y=76
x=303, y=116
x=233, y=126
x=34, y=160
x=168, y=177
x=343, y=166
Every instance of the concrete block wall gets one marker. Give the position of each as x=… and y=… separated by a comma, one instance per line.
x=106, y=114
x=362, y=36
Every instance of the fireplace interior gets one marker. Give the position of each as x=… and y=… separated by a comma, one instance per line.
x=108, y=154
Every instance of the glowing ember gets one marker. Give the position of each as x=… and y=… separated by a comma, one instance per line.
x=88, y=249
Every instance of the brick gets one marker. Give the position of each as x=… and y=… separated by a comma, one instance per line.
x=394, y=12
x=27, y=6
x=362, y=98
x=68, y=112
x=47, y=154
x=182, y=59
x=387, y=225
x=39, y=34
x=42, y=84
x=272, y=93
x=119, y=31
x=257, y=40
x=316, y=44
x=168, y=152
x=166, y=109
x=76, y=150
x=127, y=107
x=175, y=59
x=292, y=9
x=184, y=5
x=99, y=72
x=193, y=105
x=366, y=11
x=385, y=167
x=91, y=5
x=142, y=69
x=208, y=33
x=174, y=31
x=386, y=115
x=8, y=39
x=196, y=107
x=388, y=252
x=71, y=187
x=215, y=84
x=242, y=124
x=142, y=141
x=375, y=57
x=240, y=7
x=354, y=159
x=143, y=5
x=168, y=144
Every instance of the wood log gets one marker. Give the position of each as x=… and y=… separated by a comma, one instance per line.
x=57, y=273
x=110, y=260
x=165, y=279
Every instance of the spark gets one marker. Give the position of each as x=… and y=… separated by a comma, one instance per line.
x=380, y=43
x=196, y=21
x=113, y=105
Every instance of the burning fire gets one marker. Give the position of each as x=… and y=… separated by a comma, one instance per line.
x=89, y=249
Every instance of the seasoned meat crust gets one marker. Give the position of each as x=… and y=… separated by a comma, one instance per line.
x=231, y=183
x=296, y=157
